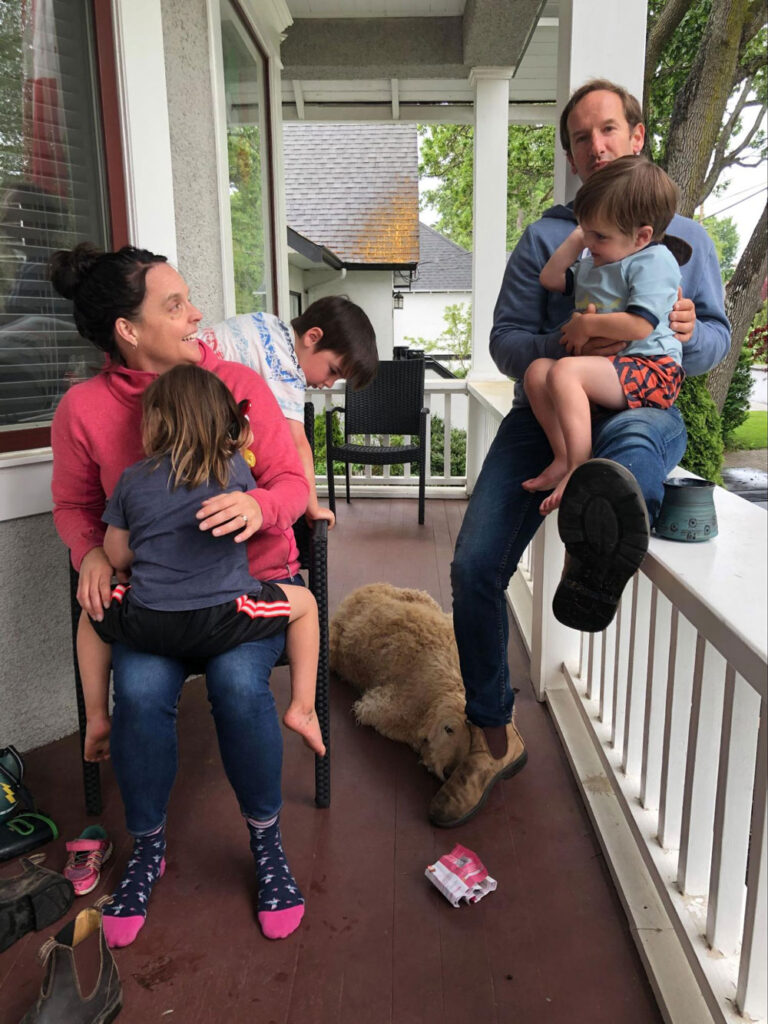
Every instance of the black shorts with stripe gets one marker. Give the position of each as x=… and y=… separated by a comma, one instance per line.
x=198, y=633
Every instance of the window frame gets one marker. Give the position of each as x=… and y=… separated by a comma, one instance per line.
x=270, y=180
x=27, y=438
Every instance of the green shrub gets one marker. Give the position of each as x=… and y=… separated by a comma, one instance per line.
x=704, y=454
x=458, y=449
x=736, y=405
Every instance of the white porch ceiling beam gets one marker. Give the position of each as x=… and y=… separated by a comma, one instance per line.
x=489, y=37
x=395, y=100
x=298, y=96
x=452, y=113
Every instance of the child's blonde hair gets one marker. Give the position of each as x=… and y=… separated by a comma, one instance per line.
x=629, y=192
x=189, y=414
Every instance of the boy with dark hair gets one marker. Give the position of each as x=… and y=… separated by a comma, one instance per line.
x=333, y=339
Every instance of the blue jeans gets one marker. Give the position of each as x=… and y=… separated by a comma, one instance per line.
x=502, y=518
x=144, y=744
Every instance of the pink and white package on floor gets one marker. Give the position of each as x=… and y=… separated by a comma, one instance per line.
x=460, y=875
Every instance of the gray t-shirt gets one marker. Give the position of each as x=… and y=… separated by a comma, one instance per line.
x=177, y=566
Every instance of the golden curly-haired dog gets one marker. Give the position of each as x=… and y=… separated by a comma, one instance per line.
x=396, y=646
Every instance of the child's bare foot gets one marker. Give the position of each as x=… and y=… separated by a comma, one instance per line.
x=96, y=746
x=552, y=501
x=304, y=721
x=550, y=478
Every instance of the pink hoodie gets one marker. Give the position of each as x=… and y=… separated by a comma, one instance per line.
x=96, y=434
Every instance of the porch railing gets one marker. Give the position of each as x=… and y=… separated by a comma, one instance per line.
x=663, y=718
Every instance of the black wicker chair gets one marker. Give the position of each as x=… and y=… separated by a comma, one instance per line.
x=312, y=542
x=392, y=404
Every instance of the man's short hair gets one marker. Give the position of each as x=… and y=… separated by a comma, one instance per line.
x=629, y=192
x=632, y=110
x=347, y=331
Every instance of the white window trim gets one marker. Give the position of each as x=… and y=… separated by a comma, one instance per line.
x=25, y=483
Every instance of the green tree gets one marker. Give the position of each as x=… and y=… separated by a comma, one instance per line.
x=725, y=235
x=706, y=95
x=446, y=153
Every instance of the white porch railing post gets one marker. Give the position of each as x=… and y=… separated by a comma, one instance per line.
x=552, y=644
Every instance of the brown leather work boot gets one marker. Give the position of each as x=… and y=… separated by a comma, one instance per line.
x=465, y=792
x=61, y=998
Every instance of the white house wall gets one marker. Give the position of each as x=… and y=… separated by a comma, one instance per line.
x=422, y=314
x=371, y=289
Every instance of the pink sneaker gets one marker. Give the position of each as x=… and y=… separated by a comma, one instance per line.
x=86, y=855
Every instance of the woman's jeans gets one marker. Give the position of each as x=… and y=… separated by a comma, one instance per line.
x=144, y=745
x=502, y=518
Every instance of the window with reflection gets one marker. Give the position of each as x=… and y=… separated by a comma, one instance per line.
x=52, y=195
x=249, y=156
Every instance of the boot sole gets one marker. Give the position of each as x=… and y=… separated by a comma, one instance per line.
x=603, y=523
x=34, y=911
x=506, y=773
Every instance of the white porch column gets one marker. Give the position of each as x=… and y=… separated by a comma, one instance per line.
x=605, y=40
x=139, y=51
x=489, y=219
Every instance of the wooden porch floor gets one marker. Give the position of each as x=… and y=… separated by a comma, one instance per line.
x=378, y=944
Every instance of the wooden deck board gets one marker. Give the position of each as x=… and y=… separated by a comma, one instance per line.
x=378, y=944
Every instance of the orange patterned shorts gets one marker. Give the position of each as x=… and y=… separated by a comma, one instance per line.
x=654, y=383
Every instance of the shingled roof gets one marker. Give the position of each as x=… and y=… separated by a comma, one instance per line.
x=443, y=265
x=354, y=189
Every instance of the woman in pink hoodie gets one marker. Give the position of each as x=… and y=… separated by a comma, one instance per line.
x=136, y=308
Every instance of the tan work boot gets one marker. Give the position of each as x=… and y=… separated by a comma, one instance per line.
x=467, y=789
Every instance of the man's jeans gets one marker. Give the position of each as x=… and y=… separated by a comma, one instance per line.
x=144, y=745
x=502, y=518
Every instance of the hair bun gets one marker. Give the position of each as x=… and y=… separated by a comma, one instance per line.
x=70, y=267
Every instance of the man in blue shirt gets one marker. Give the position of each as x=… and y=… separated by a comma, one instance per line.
x=633, y=453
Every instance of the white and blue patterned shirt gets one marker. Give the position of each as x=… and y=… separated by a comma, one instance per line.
x=265, y=344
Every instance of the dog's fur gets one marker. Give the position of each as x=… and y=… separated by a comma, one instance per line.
x=397, y=647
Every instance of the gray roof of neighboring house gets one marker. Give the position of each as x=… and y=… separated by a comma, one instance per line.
x=354, y=189
x=443, y=265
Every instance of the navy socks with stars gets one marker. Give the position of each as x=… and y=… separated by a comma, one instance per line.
x=124, y=917
x=281, y=905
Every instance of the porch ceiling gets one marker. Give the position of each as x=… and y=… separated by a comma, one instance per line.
x=407, y=59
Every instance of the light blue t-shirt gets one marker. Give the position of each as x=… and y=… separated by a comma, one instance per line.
x=644, y=283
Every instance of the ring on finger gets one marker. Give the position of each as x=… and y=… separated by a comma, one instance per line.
x=245, y=519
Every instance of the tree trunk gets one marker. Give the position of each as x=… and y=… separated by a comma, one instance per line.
x=742, y=301
x=698, y=111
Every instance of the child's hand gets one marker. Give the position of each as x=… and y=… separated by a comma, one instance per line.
x=575, y=334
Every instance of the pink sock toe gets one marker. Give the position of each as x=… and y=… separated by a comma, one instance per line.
x=278, y=924
x=121, y=931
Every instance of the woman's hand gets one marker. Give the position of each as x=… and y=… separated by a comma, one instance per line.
x=94, y=589
x=229, y=512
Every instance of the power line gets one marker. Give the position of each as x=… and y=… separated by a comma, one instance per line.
x=763, y=188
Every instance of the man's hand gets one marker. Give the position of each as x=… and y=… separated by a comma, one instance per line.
x=575, y=335
x=682, y=319
x=599, y=346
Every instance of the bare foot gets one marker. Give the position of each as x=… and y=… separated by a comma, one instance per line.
x=552, y=501
x=304, y=721
x=550, y=478
x=96, y=746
